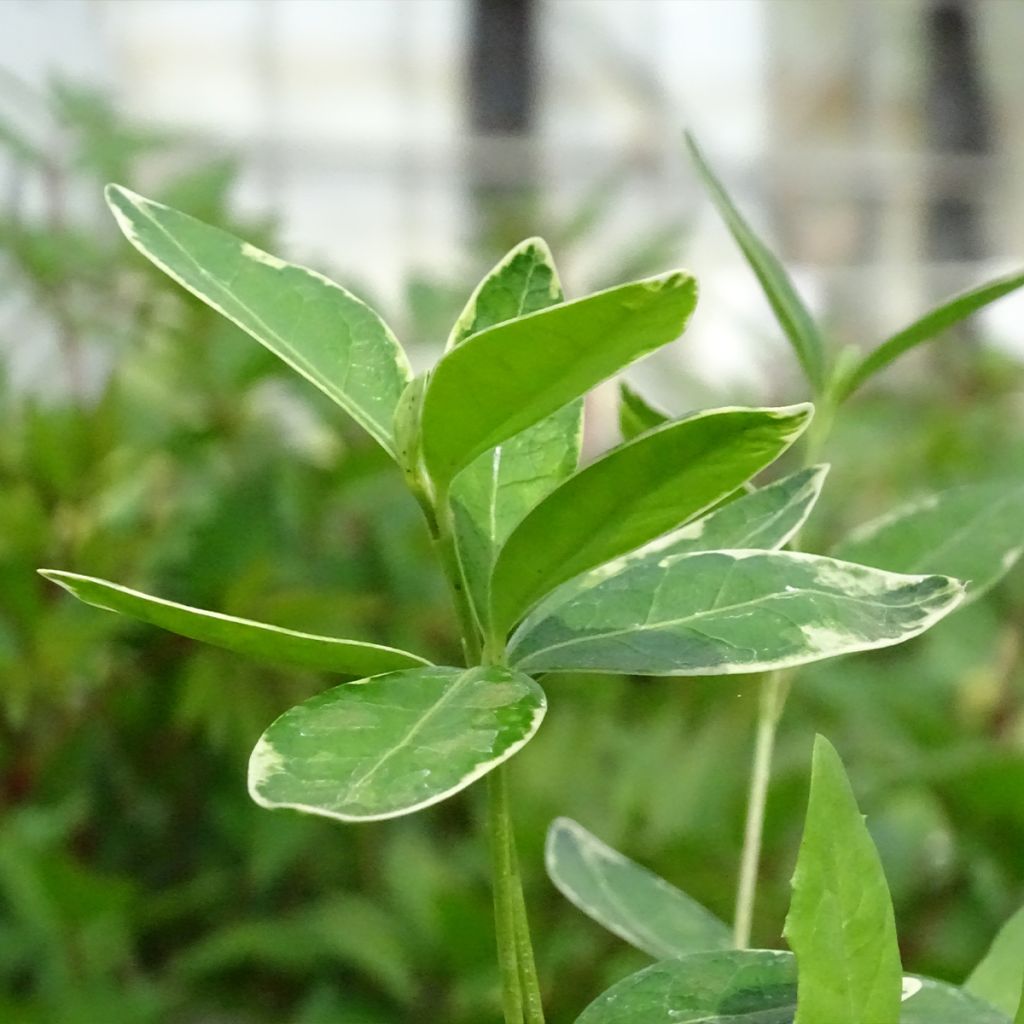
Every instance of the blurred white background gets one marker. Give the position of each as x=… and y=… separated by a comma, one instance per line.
x=877, y=144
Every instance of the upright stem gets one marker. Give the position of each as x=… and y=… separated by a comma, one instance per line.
x=519, y=985
x=506, y=885
x=774, y=690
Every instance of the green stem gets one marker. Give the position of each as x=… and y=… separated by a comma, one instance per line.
x=506, y=886
x=529, y=983
x=519, y=983
x=774, y=690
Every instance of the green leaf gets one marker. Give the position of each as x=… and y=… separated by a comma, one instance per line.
x=506, y=378
x=318, y=328
x=727, y=612
x=500, y=486
x=633, y=494
x=926, y=1001
x=927, y=327
x=388, y=746
x=636, y=414
x=764, y=519
x=627, y=899
x=974, y=532
x=840, y=923
x=524, y=282
x=750, y=986
x=790, y=311
x=999, y=977
x=255, y=639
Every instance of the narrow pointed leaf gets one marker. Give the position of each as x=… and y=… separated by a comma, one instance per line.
x=999, y=977
x=506, y=378
x=634, y=494
x=727, y=612
x=255, y=639
x=525, y=281
x=636, y=414
x=974, y=532
x=929, y=326
x=840, y=923
x=500, y=486
x=395, y=744
x=790, y=311
x=627, y=899
x=750, y=986
x=318, y=328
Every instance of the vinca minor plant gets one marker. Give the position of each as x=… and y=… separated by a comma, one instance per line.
x=658, y=558
x=845, y=963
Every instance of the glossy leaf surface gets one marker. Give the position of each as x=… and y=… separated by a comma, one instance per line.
x=790, y=311
x=500, y=486
x=999, y=977
x=322, y=331
x=734, y=987
x=726, y=612
x=394, y=744
x=935, y=1002
x=255, y=639
x=974, y=532
x=634, y=494
x=840, y=923
x=627, y=899
x=636, y=414
x=926, y=328
x=508, y=377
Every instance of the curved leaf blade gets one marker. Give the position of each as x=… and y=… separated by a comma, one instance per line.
x=392, y=745
x=749, y=986
x=506, y=378
x=999, y=977
x=974, y=532
x=627, y=899
x=634, y=494
x=933, y=323
x=789, y=309
x=728, y=612
x=243, y=636
x=318, y=328
x=500, y=486
x=841, y=924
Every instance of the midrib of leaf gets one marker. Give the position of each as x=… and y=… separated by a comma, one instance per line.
x=298, y=360
x=413, y=730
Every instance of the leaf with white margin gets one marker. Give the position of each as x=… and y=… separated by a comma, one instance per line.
x=974, y=532
x=627, y=899
x=317, y=327
x=243, y=636
x=499, y=487
x=728, y=612
x=841, y=924
x=999, y=977
x=394, y=744
x=510, y=376
x=634, y=494
x=755, y=986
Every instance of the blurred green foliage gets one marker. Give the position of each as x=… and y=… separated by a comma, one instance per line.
x=160, y=447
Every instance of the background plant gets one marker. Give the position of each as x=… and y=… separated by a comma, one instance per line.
x=940, y=748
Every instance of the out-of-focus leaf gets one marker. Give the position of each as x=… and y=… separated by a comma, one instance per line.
x=636, y=414
x=999, y=977
x=626, y=898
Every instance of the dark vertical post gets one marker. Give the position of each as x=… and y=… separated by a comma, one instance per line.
x=501, y=101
